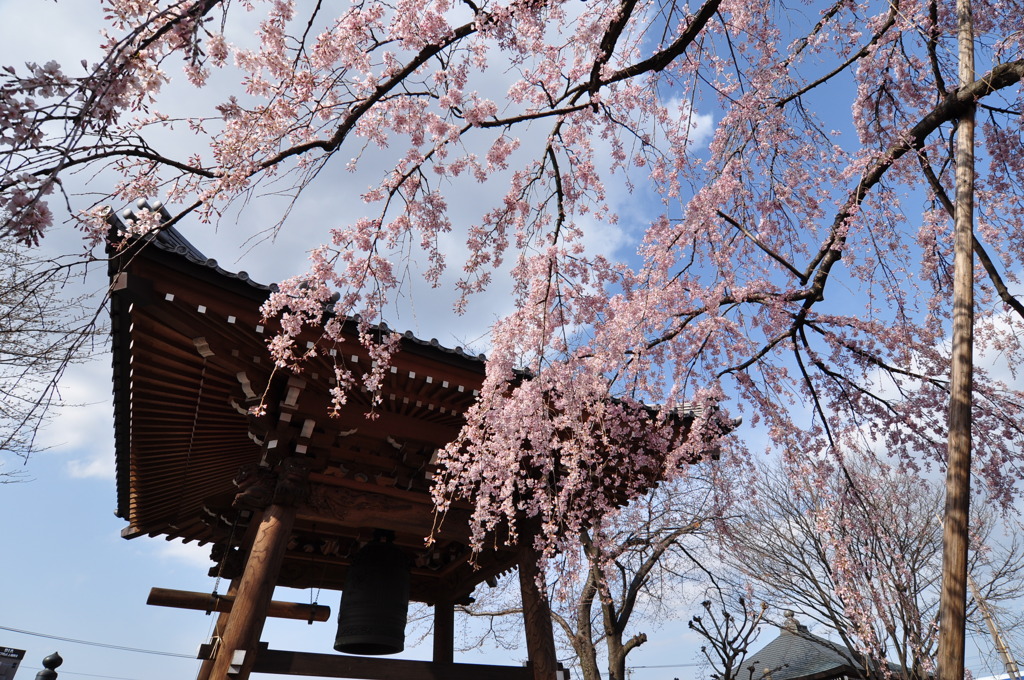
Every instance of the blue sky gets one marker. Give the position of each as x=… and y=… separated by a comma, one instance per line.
x=65, y=570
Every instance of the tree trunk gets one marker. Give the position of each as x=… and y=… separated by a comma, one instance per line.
x=540, y=641
x=587, y=656
x=583, y=638
x=616, y=660
x=953, y=601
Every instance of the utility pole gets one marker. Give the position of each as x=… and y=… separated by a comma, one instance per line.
x=953, y=599
x=1009, y=664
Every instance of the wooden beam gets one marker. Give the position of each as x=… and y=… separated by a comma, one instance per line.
x=237, y=652
x=344, y=502
x=375, y=668
x=444, y=632
x=188, y=599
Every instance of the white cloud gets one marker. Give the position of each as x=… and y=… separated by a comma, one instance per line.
x=95, y=466
x=82, y=426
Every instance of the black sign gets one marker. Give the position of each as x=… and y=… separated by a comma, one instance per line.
x=10, y=659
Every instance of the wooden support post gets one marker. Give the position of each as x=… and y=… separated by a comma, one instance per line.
x=540, y=640
x=206, y=669
x=444, y=632
x=240, y=640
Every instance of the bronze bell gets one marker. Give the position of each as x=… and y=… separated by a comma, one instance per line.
x=375, y=602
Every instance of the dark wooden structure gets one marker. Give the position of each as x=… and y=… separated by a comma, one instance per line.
x=216, y=444
x=286, y=495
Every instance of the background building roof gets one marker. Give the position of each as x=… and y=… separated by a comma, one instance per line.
x=798, y=654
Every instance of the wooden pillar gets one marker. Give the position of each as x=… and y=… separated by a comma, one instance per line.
x=206, y=669
x=444, y=632
x=540, y=640
x=256, y=589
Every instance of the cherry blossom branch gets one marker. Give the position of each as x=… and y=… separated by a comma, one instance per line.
x=890, y=21
x=92, y=155
x=986, y=260
x=662, y=59
x=813, y=390
x=933, y=45
x=95, y=101
x=360, y=109
x=768, y=251
x=609, y=40
x=826, y=16
x=554, y=112
x=305, y=33
x=765, y=349
x=1001, y=76
x=876, y=361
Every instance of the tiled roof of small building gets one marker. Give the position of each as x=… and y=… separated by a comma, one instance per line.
x=798, y=654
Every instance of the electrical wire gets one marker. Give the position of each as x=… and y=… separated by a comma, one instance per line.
x=98, y=644
x=88, y=675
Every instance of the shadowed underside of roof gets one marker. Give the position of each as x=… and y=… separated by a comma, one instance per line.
x=190, y=363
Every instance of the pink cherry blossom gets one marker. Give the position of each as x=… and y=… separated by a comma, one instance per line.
x=790, y=269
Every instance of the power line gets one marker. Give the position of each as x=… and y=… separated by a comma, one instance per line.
x=88, y=675
x=98, y=644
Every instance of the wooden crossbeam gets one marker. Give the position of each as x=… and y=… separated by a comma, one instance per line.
x=375, y=668
x=187, y=599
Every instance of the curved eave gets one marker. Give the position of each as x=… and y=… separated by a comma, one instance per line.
x=159, y=286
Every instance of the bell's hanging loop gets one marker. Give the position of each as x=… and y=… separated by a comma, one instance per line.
x=375, y=601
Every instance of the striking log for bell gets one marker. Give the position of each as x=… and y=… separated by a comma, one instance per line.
x=375, y=601
x=186, y=599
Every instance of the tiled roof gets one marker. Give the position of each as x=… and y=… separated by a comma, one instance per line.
x=171, y=240
x=796, y=653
